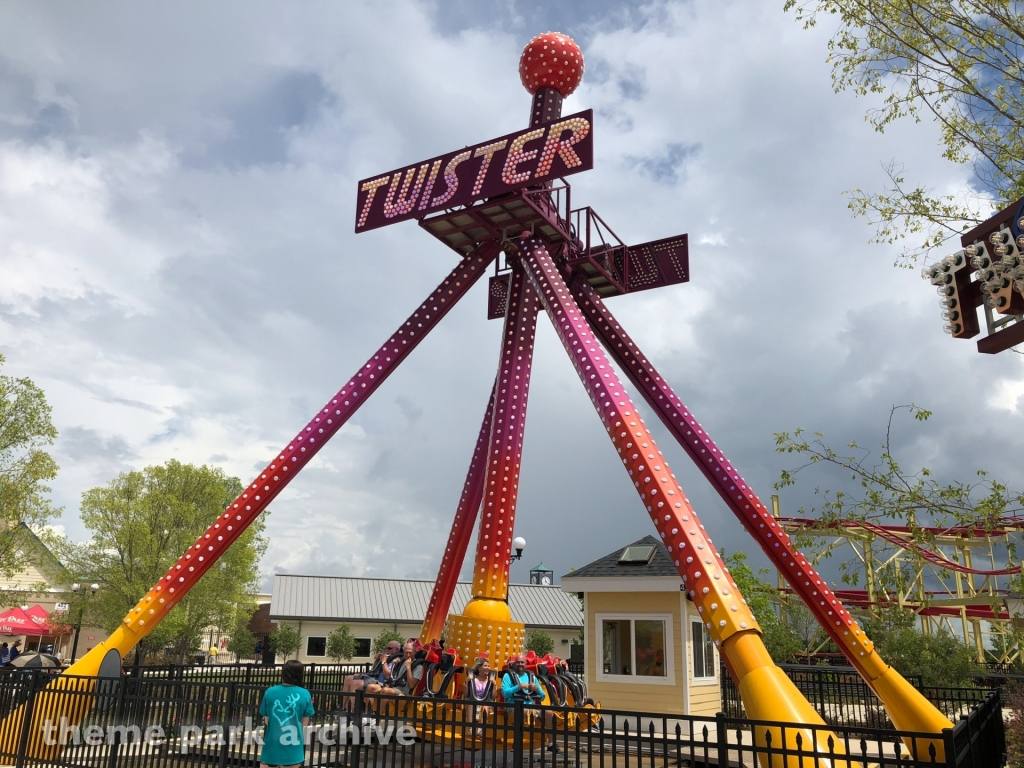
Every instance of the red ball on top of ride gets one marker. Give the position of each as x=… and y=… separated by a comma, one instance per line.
x=551, y=60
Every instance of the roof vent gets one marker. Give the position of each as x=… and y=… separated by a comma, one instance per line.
x=636, y=556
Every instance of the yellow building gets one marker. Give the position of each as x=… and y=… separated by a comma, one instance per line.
x=645, y=647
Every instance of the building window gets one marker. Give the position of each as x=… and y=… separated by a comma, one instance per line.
x=362, y=648
x=635, y=648
x=703, y=652
x=316, y=646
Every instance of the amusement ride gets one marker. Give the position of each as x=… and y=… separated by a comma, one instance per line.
x=956, y=579
x=505, y=205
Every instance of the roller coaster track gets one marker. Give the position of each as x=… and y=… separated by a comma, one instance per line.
x=892, y=535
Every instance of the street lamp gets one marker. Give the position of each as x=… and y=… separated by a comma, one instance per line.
x=518, y=544
x=76, y=588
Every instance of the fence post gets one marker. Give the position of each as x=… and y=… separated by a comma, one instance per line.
x=723, y=739
x=948, y=747
x=248, y=674
x=517, y=734
x=26, y=724
x=228, y=718
x=819, y=679
x=357, y=719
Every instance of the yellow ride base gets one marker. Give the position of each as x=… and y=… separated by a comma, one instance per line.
x=454, y=724
x=485, y=626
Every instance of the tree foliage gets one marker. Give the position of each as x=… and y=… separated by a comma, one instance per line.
x=764, y=602
x=139, y=524
x=883, y=491
x=540, y=642
x=241, y=641
x=25, y=467
x=380, y=642
x=955, y=62
x=285, y=640
x=1012, y=696
x=940, y=659
x=341, y=643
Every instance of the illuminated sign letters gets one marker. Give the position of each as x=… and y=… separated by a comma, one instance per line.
x=536, y=155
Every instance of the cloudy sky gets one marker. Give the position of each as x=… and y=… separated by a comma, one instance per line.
x=178, y=268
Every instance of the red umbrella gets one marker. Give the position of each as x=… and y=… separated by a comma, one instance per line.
x=42, y=619
x=16, y=622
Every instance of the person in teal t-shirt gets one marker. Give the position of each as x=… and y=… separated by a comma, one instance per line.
x=286, y=710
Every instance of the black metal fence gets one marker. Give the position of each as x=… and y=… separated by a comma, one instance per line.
x=153, y=722
x=841, y=696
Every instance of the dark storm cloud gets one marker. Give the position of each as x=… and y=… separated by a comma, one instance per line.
x=176, y=195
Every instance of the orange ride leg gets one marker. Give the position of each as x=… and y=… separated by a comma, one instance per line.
x=486, y=624
x=908, y=709
x=768, y=694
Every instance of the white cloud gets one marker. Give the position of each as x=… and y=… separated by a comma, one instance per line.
x=180, y=273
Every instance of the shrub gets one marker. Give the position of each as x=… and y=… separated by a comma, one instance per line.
x=285, y=640
x=539, y=642
x=242, y=642
x=341, y=644
x=941, y=660
x=1013, y=712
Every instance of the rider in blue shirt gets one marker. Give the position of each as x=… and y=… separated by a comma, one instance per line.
x=519, y=685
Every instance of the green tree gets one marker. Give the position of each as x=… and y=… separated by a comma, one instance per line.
x=285, y=640
x=25, y=467
x=884, y=491
x=380, y=642
x=940, y=659
x=539, y=642
x=763, y=599
x=804, y=626
x=139, y=524
x=241, y=641
x=955, y=63
x=341, y=643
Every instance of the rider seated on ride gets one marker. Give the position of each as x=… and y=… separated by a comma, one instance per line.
x=479, y=689
x=520, y=685
x=372, y=681
x=405, y=673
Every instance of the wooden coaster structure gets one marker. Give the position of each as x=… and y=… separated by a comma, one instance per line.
x=506, y=203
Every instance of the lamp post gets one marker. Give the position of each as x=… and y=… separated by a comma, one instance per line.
x=518, y=544
x=76, y=588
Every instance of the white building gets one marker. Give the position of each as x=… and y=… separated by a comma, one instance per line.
x=316, y=605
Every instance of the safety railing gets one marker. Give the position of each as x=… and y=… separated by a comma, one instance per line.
x=842, y=697
x=165, y=723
